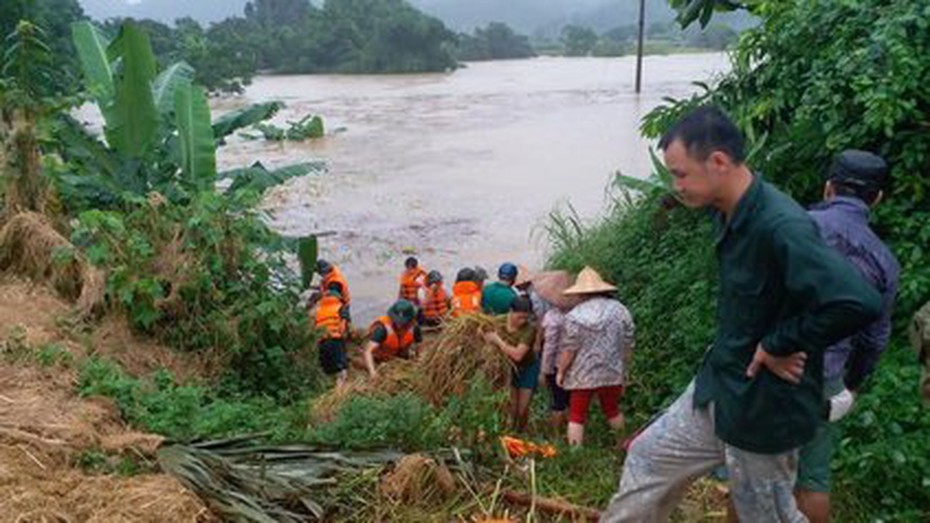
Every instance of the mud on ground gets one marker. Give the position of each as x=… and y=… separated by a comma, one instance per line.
x=46, y=430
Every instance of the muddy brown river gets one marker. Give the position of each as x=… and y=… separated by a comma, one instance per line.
x=460, y=168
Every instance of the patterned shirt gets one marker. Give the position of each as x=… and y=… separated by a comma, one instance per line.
x=553, y=327
x=600, y=331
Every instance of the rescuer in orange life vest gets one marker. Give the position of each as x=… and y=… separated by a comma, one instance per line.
x=435, y=301
x=392, y=336
x=466, y=293
x=412, y=281
x=330, y=319
x=332, y=277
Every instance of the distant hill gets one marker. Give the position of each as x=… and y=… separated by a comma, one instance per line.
x=547, y=17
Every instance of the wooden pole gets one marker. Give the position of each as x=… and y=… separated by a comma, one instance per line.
x=639, y=47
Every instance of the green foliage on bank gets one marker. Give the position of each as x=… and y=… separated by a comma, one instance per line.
x=53, y=18
x=296, y=37
x=496, y=41
x=185, y=412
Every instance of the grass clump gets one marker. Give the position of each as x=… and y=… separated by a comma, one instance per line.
x=190, y=411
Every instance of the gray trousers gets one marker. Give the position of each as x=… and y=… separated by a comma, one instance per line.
x=680, y=447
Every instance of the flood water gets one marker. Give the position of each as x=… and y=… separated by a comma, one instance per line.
x=460, y=168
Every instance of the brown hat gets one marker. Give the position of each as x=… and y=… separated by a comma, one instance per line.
x=524, y=276
x=551, y=286
x=589, y=282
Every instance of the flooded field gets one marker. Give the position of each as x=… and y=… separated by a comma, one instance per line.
x=460, y=168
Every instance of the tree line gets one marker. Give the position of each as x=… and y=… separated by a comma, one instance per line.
x=340, y=36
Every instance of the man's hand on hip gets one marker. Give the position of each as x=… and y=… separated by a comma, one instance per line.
x=789, y=368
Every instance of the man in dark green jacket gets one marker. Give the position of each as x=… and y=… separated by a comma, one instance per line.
x=784, y=296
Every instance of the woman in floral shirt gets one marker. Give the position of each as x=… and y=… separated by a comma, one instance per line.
x=596, y=349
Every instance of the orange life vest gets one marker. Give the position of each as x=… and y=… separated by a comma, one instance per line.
x=328, y=318
x=396, y=341
x=410, y=283
x=335, y=276
x=466, y=298
x=437, y=302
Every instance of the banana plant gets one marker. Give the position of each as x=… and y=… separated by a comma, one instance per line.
x=157, y=125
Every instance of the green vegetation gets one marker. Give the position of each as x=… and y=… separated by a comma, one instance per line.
x=660, y=38
x=578, y=41
x=53, y=19
x=190, y=411
x=496, y=41
x=293, y=36
x=278, y=36
x=800, y=94
x=308, y=127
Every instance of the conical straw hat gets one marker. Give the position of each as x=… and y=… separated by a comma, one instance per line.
x=551, y=285
x=524, y=276
x=589, y=282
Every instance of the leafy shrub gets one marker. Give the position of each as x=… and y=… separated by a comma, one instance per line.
x=187, y=412
x=473, y=420
x=205, y=276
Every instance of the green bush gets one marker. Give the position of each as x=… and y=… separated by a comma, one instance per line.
x=189, y=412
x=203, y=277
x=403, y=421
x=473, y=420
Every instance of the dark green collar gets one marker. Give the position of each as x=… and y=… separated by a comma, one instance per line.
x=745, y=208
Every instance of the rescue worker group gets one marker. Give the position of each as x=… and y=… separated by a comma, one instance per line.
x=804, y=310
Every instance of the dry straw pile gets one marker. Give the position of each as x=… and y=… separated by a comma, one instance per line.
x=447, y=365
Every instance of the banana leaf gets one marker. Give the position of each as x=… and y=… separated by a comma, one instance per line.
x=91, y=45
x=198, y=150
x=241, y=118
x=165, y=85
x=307, y=253
x=134, y=124
x=263, y=484
x=259, y=179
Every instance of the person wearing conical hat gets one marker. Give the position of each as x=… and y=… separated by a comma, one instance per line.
x=546, y=295
x=596, y=351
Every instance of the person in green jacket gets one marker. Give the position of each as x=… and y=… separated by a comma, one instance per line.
x=497, y=297
x=783, y=297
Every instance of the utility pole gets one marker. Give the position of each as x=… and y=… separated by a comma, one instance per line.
x=639, y=47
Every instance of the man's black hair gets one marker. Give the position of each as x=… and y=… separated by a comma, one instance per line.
x=411, y=262
x=705, y=130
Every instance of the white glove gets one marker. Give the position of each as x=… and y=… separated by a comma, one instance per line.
x=841, y=404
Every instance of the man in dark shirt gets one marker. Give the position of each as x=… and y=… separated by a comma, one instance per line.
x=855, y=183
x=496, y=297
x=783, y=297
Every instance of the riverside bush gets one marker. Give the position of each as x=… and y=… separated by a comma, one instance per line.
x=190, y=411
x=206, y=276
